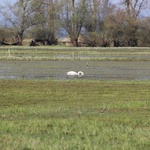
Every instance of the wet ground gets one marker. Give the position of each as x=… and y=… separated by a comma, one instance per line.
x=96, y=70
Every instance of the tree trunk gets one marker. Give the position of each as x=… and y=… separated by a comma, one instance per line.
x=51, y=23
x=75, y=42
x=20, y=39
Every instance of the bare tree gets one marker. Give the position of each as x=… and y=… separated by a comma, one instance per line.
x=98, y=10
x=72, y=18
x=51, y=20
x=133, y=9
x=20, y=16
x=47, y=15
x=99, y=20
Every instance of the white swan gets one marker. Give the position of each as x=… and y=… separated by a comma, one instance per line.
x=73, y=73
x=80, y=73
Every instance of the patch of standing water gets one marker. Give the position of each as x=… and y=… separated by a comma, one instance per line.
x=93, y=70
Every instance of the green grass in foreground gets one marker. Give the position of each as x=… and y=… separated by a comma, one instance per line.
x=90, y=115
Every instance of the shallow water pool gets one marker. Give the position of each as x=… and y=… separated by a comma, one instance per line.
x=95, y=70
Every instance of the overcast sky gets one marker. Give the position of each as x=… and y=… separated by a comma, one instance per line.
x=145, y=13
x=3, y=1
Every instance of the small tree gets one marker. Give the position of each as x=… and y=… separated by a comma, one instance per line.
x=133, y=9
x=6, y=36
x=115, y=27
x=143, y=32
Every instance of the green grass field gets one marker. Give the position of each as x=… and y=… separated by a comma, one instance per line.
x=74, y=53
x=74, y=115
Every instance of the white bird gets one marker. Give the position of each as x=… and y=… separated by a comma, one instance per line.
x=75, y=74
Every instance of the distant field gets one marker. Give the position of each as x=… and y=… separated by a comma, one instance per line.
x=73, y=53
x=74, y=115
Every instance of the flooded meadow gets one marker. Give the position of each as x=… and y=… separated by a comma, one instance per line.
x=54, y=62
x=93, y=70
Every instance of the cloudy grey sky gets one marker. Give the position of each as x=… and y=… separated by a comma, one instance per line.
x=4, y=1
x=146, y=12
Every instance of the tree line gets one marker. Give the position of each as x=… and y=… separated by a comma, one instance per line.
x=100, y=22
